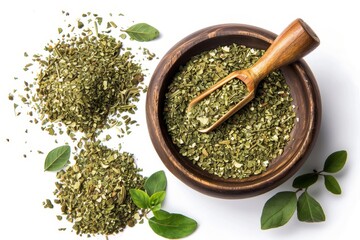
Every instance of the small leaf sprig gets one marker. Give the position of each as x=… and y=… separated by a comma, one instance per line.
x=279, y=209
x=163, y=223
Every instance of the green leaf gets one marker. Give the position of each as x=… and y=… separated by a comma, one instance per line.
x=140, y=198
x=142, y=32
x=173, y=227
x=305, y=180
x=278, y=210
x=335, y=162
x=161, y=214
x=57, y=158
x=156, y=183
x=156, y=200
x=308, y=209
x=332, y=184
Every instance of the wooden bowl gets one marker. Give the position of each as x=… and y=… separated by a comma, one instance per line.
x=304, y=91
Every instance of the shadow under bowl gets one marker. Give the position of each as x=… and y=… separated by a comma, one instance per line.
x=303, y=88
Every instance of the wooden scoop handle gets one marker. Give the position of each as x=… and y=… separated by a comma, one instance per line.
x=297, y=40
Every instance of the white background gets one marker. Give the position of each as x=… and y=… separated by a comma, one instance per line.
x=29, y=25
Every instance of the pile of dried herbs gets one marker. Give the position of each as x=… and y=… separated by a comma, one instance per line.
x=93, y=193
x=248, y=141
x=85, y=88
x=87, y=81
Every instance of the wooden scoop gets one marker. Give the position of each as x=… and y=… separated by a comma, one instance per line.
x=297, y=40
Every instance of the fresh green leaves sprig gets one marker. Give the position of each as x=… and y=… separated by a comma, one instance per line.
x=280, y=208
x=163, y=223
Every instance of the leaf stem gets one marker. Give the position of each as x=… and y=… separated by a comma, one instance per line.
x=299, y=189
x=146, y=211
x=318, y=173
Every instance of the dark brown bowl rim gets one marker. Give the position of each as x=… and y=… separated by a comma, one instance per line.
x=215, y=186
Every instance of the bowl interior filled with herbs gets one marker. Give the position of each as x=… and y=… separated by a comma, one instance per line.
x=260, y=146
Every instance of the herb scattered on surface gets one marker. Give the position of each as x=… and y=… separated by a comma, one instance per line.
x=279, y=209
x=48, y=204
x=163, y=223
